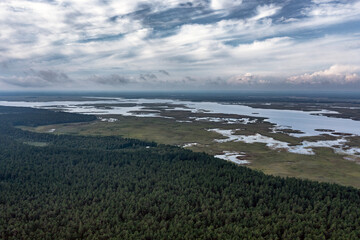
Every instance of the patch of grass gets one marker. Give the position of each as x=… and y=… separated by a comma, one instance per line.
x=37, y=144
x=354, y=141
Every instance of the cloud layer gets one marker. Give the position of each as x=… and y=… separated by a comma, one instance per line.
x=142, y=44
x=336, y=74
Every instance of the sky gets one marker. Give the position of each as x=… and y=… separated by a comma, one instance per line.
x=179, y=45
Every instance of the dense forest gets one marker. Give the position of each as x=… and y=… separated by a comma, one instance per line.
x=76, y=187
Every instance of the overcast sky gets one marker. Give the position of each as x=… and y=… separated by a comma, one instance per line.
x=175, y=44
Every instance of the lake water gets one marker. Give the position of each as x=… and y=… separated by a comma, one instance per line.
x=298, y=120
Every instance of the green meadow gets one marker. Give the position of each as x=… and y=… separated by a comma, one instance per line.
x=325, y=166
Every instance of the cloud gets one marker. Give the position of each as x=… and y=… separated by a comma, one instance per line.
x=202, y=39
x=164, y=72
x=265, y=11
x=246, y=79
x=113, y=79
x=336, y=74
x=333, y=8
x=4, y=65
x=224, y=4
x=189, y=79
x=148, y=77
x=51, y=76
x=42, y=78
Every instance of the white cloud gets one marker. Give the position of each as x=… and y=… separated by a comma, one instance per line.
x=325, y=13
x=336, y=74
x=266, y=11
x=323, y=1
x=270, y=44
x=224, y=4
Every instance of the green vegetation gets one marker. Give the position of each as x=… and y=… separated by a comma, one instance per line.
x=79, y=187
x=325, y=166
x=37, y=144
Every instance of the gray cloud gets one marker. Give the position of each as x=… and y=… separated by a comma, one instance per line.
x=148, y=77
x=164, y=72
x=34, y=78
x=189, y=79
x=4, y=65
x=51, y=76
x=113, y=79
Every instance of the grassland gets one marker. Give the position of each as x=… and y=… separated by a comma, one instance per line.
x=325, y=166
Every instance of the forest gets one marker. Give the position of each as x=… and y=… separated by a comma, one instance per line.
x=81, y=187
